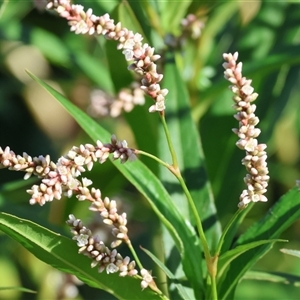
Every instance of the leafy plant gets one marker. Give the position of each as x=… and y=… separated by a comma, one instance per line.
x=188, y=167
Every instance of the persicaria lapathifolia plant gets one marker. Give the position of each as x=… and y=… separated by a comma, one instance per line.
x=217, y=277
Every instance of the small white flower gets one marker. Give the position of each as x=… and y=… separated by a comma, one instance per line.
x=111, y=268
x=128, y=53
x=86, y=182
x=251, y=145
x=82, y=240
x=79, y=160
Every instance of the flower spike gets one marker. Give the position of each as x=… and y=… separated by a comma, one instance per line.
x=255, y=159
x=142, y=55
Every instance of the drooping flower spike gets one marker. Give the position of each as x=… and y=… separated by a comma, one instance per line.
x=61, y=177
x=142, y=55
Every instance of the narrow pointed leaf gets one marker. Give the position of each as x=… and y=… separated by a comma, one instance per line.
x=230, y=255
x=17, y=288
x=291, y=252
x=282, y=215
x=182, y=291
x=136, y=172
x=273, y=277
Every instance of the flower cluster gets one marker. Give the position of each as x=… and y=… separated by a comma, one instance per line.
x=102, y=256
x=61, y=177
x=147, y=279
x=255, y=159
x=193, y=25
x=102, y=104
x=108, y=211
x=142, y=55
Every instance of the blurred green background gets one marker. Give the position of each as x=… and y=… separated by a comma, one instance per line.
x=266, y=35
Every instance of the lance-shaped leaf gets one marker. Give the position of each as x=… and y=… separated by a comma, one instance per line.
x=291, y=252
x=284, y=213
x=277, y=277
x=175, y=280
x=229, y=256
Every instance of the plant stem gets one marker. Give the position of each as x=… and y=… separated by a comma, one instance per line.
x=174, y=168
x=211, y=264
x=169, y=141
x=214, y=294
x=128, y=242
x=197, y=217
x=177, y=173
x=153, y=285
x=153, y=157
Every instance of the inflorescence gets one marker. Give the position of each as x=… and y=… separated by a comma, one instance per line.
x=61, y=177
x=255, y=159
x=102, y=256
x=102, y=104
x=142, y=55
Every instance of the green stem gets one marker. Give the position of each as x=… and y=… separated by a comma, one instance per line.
x=214, y=294
x=198, y=219
x=134, y=254
x=188, y=196
x=169, y=141
x=177, y=173
x=174, y=168
x=153, y=157
x=211, y=264
x=153, y=285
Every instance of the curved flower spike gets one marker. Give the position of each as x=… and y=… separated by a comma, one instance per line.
x=142, y=55
x=102, y=256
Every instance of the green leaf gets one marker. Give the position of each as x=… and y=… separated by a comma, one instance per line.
x=129, y=20
x=107, y=6
x=17, y=288
x=149, y=186
x=52, y=47
x=172, y=13
x=152, y=16
x=62, y=253
x=273, y=277
x=13, y=10
x=291, y=252
x=182, y=291
x=231, y=255
x=284, y=213
x=92, y=68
